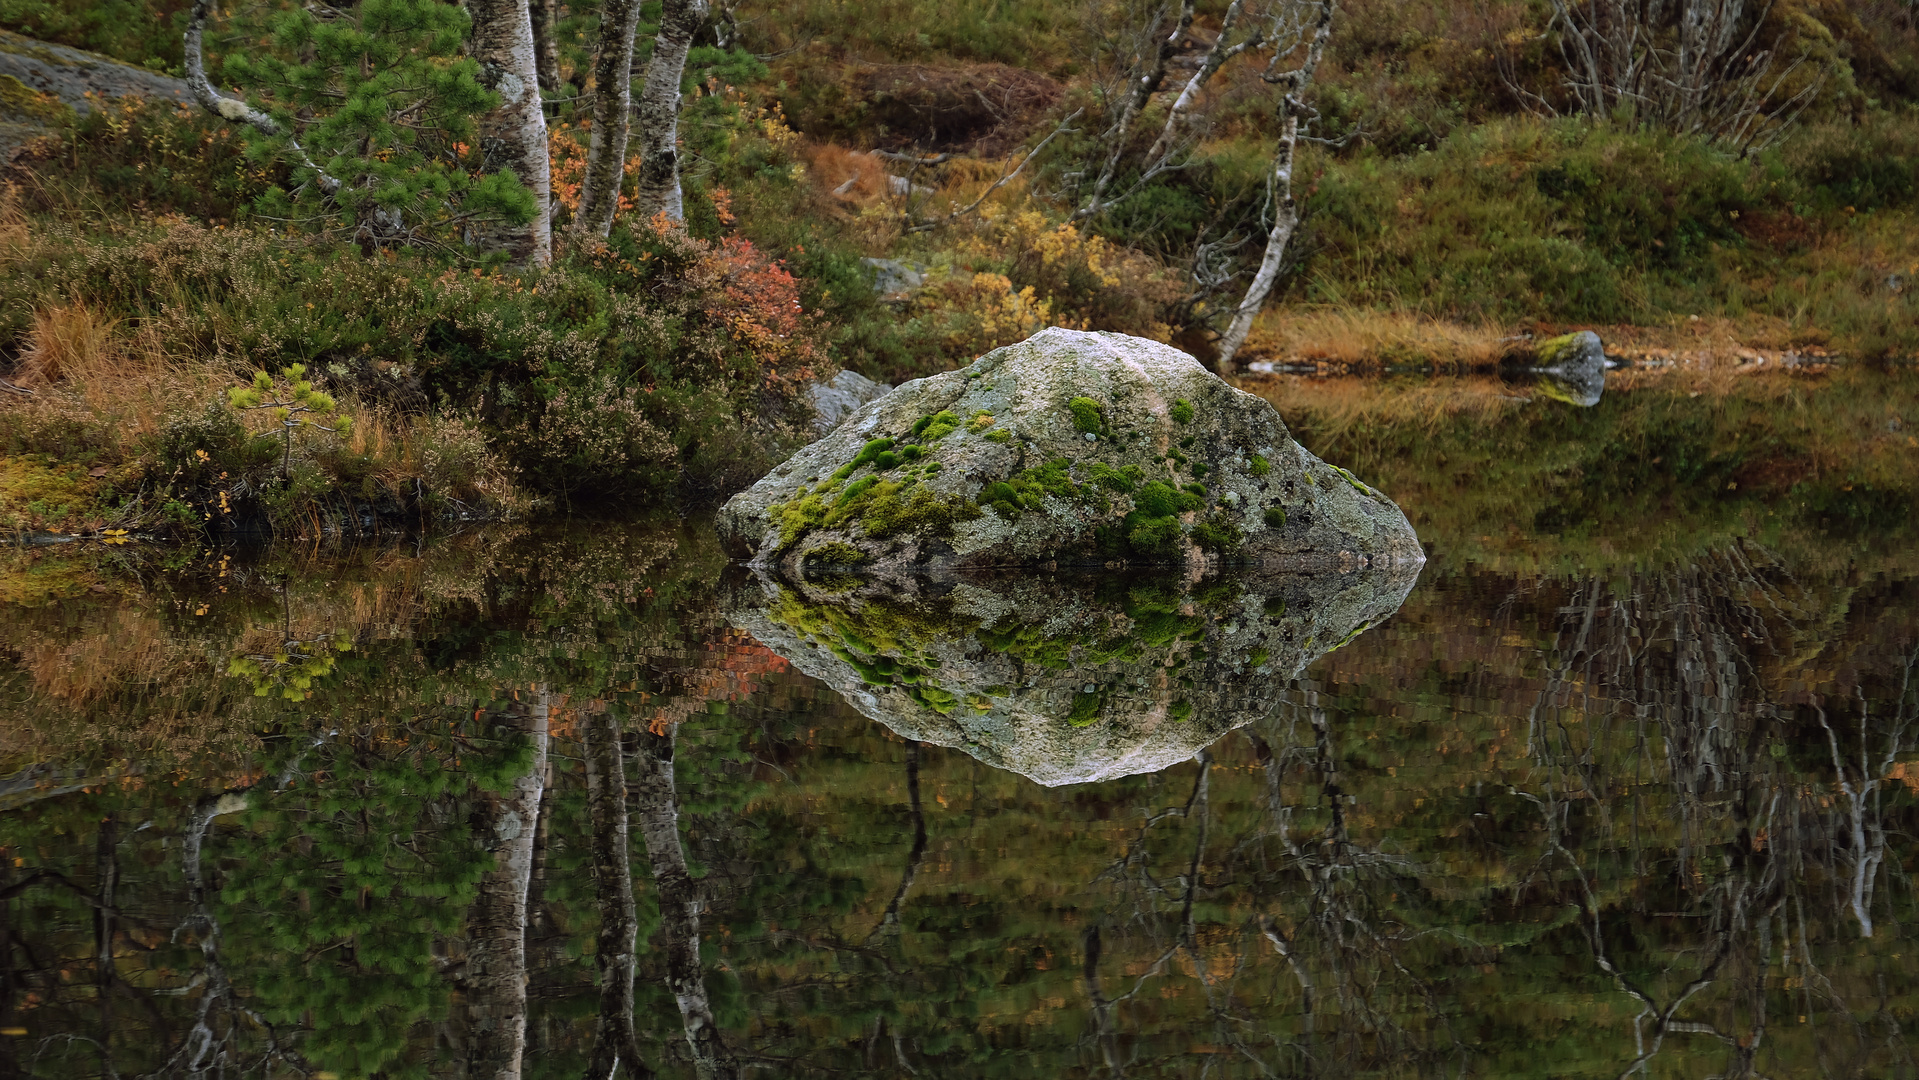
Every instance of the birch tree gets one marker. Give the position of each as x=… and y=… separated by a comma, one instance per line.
x=659, y=110
x=1695, y=67
x=612, y=108
x=1311, y=25
x=496, y=954
x=656, y=802
x=1296, y=33
x=614, y=1042
x=513, y=133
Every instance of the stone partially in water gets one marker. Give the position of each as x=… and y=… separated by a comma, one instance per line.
x=1059, y=679
x=1572, y=368
x=993, y=466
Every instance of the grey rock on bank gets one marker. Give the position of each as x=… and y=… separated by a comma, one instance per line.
x=1572, y=368
x=1060, y=678
x=839, y=397
x=69, y=76
x=892, y=277
x=1068, y=448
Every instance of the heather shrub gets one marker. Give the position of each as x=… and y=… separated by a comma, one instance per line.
x=130, y=156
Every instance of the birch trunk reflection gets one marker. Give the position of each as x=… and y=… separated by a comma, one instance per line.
x=496, y=954
x=656, y=803
x=614, y=1041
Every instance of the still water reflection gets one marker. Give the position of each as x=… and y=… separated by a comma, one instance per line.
x=560, y=804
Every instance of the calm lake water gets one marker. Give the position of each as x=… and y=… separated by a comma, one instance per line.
x=302, y=810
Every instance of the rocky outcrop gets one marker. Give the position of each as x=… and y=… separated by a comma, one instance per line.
x=1068, y=448
x=1064, y=679
x=39, y=80
x=840, y=397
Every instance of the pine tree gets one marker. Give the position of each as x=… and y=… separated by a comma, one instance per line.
x=376, y=113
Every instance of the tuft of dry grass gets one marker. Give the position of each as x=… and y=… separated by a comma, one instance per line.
x=69, y=342
x=1360, y=338
x=81, y=363
x=14, y=236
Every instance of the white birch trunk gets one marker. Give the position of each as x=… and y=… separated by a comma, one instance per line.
x=612, y=114
x=1293, y=85
x=659, y=180
x=1142, y=90
x=514, y=134
x=496, y=926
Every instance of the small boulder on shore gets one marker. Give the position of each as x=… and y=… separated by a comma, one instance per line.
x=1069, y=448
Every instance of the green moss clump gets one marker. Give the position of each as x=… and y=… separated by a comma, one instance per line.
x=935, y=427
x=1028, y=488
x=20, y=99
x=1153, y=527
x=1275, y=517
x=798, y=516
x=1086, y=709
x=1123, y=481
x=933, y=467
x=1182, y=411
x=1029, y=643
x=856, y=489
x=1259, y=657
x=1151, y=535
x=1261, y=466
x=837, y=553
x=1088, y=415
x=1157, y=622
x=980, y=422
x=1219, y=534
x=1180, y=712
x=934, y=698
x=894, y=509
x=999, y=435
x=1353, y=480
x=1160, y=499
x=1274, y=607
x=867, y=455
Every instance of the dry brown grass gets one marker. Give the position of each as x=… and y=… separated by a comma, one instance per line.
x=1365, y=338
x=14, y=236
x=71, y=342
x=84, y=367
x=848, y=178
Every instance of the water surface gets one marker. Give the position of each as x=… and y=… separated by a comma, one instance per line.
x=293, y=811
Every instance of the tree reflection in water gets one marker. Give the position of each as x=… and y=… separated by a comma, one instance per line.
x=551, y=816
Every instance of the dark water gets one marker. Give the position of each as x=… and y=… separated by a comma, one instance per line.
x=294, y=812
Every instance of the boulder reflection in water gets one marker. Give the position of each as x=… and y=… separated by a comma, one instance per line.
x=1066, y=679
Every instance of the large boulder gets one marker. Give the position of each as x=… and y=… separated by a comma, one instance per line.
x=1064, y=678
x=1068, y=448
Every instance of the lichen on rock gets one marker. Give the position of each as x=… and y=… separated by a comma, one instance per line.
x=1069, y=448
